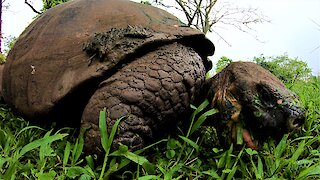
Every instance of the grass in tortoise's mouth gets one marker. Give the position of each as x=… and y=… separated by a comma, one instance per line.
x=240, y=135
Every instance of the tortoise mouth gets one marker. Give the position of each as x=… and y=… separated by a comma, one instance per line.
x=242, y=135
x=251, y=136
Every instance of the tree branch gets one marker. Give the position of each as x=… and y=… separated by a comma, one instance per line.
x=207, y=15
x=33, y=9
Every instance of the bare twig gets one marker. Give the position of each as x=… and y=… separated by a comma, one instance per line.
x=207, y=15
x=221, y=37
x=33, y=9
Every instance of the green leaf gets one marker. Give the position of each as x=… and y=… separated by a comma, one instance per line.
x=239, y=134
x=202, y=106
x=66, y=154
x=45, y=149
x=37, y=143
x=260, y=168
x=251, y=151
x=131, y=156
x=149, y=167
x=112, y=168
x=176, y=168
x=193, y=107
x=27, y=128
x=281, y=147
x=107, y=141
x=103, y=129
x=123, y=148
x=298, y=152
x=85, y=177
x=313, y=170
x=173, y=144
x=76, y=171
x=190, y=142
x=149, y=177
x=170, y=153
x=135, y=158
x=212, y=173
x=216, y=150
x=202, y=118
x=77, y=150
x=90, y=161
x=152, y=145
x=222, y=161
x=161, y=169
x=47, y=176
x=235, y=166
x=226, y=171
x=228, y=157
x=90, y=171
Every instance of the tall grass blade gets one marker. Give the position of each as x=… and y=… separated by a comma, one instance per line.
x=47, y=139
x=140, y=160
x=77, y=150
x=27, y=128
x=107, y=141
x=190, y=142
x=202, y=106
x=281, y=147
x=149, y=177
x=90, y=161
x=212, y=173
x=76, y=171
x=202, y=118
x=260, y=168
x=313, y=170
x=103, y=129
x=66, y=154
x=235, y=166
x=298, y=152
x=45, y=149
x=37, y=143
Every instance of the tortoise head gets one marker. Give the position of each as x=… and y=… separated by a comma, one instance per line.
x=255, y=103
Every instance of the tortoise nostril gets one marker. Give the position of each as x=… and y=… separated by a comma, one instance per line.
x=294, y=123
x=296, y=117
x=298, y=122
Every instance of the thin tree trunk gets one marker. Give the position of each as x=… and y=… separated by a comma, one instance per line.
x=1, y=26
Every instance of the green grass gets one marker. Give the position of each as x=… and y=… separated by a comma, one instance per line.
x=30, y=152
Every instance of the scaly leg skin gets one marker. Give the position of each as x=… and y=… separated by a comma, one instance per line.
x=153, y=92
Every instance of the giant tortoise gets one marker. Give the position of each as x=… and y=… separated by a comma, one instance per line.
x=137, y=62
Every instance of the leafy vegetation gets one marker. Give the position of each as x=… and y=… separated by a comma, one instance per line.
x=222, y=63
x=47, y=4
x=31, y=152
x=287, y=69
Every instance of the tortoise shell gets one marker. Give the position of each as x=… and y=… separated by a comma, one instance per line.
x=60, y=59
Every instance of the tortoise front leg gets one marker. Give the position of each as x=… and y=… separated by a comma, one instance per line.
x=153, y=92
x=132, y=130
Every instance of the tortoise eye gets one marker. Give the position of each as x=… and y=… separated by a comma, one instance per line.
x=265, y=96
